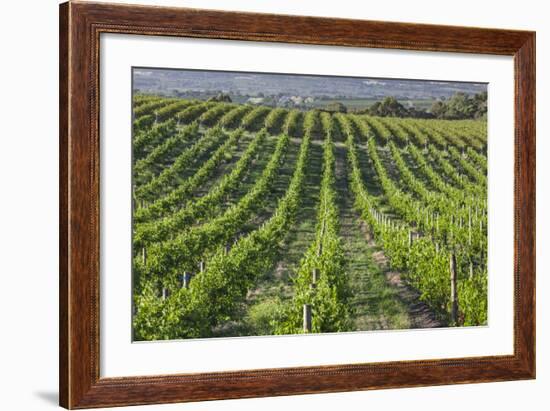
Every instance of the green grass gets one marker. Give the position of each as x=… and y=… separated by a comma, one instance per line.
x=375, y=303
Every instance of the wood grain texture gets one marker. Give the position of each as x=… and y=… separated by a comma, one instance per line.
x=63, y=206
x=80, y=27
x=525, y=203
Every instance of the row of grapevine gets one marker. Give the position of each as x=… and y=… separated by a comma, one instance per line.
x=233, y=118
x=312, y=123
x=171, y=176
x=186, y=249
x=419, y=136
x=192, y=112
x=170, y=202
x=147, y=140
x=321, y=289
x=444, y=217
x=478, y=159
x=141, y=99
x=159, y=112
x=255, y=119
x=210, y=117
x=431, y=175
x=438, y=200
x=401, y=135
x=362, y=127
x=275, y=119
x=468, y=167
x=382, y=133
x=145, y=167
x=206, y=230
x=195, y=308
x=465, y=131
x=424, y=261
x=204, y=207
x=448, y=171
x=293, y=123
x=150, y=107
x=175, y=110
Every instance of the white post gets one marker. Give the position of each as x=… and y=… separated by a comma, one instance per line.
x=454, y=295
x=315, y=275
x=307, y=318
x=186, y=279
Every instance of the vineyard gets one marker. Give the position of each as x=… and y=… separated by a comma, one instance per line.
x=251, y=220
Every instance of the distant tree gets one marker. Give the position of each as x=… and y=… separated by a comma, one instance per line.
x=337, y=107
x=481, y=96
x=461, y=106
x=389, y=107
x=480, y=100
x=438, y=109
x=221, y=97
x=419, y=113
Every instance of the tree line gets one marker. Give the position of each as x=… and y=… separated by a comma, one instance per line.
x=460, y=106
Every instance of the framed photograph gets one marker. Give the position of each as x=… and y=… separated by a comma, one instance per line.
x=259, y=205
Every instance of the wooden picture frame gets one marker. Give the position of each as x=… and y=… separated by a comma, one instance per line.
x=80, y=27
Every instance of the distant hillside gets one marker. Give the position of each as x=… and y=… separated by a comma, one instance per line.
x=254, y=84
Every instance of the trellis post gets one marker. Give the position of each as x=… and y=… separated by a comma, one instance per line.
x=454, y=294
x=470, y=226
x=186, y=279
x=315, y=275
x=307, y=318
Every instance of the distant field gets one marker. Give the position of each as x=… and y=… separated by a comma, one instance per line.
x=365, y=103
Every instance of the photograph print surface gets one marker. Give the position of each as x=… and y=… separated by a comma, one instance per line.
x=273, y=204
